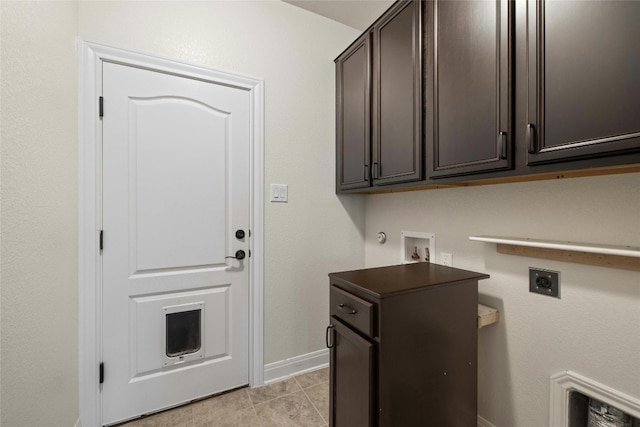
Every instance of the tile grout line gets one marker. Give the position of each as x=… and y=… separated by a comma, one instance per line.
x=326, y=422
x=301, y=388
x=192, y=419
x=256, y=413
x=253, y=406
x=277, y=397
x=314, y=407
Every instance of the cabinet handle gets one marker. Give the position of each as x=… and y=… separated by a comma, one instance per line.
x=531, y=138
x=502, y=145
x=327, y=335
x=374, y=170
x=346, y=309
x=366, y=170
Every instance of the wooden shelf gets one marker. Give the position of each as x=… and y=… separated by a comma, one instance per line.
x=487, y=315
x=612, y=256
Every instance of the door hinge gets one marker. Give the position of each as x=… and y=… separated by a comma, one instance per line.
x=101, y=107
x=101, y=372
x=101, y=240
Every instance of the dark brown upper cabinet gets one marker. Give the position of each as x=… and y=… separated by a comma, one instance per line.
x=353, y=113
x=468, y=90
x=477, y=92
x=397, y=101
x=583, y=95
x=379, y=103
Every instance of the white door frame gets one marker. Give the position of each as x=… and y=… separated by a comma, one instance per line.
x=90, y=212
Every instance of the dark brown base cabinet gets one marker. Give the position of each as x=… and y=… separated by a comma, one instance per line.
x=403, y=345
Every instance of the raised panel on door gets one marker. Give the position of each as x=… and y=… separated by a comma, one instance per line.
x=468, y=91
x=353, y=115
x=168, y=157
x=397, y=95
x=351, y=378
x=583, y=85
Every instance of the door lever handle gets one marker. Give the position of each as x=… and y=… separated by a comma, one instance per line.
x=240, y=254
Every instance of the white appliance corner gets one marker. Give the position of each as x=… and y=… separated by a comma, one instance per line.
x=278, y=371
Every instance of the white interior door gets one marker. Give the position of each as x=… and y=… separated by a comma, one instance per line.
x=176, y=188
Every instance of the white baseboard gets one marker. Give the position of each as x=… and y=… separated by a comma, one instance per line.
x=484, y=423
x=284, y=369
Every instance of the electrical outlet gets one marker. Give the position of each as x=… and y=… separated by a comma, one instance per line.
x=544, y=282
x=446, y=259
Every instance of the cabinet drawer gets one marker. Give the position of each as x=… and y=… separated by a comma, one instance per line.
x=352, y=310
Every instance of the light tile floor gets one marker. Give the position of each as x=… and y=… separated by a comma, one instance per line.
x=301, y=401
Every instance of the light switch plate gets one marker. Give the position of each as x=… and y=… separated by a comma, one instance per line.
x=279, y=193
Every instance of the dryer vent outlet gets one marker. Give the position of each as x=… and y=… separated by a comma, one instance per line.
x=544, y=282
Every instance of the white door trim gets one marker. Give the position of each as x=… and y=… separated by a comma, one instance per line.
x=90, y=220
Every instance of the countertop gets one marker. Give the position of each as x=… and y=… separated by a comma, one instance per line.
x=394, y=280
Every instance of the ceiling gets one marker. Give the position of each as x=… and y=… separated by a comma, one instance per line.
x=358, y=14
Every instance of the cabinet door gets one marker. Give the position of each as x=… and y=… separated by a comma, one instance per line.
x=351, y=378
x=353, y=115
x=397, y=95
x=583, y=84
x=468, y=86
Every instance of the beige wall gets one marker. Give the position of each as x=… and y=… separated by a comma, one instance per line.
x=592, y=329
x=39, y=371
x=315, y=233
x=293, y=51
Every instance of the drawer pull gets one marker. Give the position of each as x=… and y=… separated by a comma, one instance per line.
x=346, y=309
